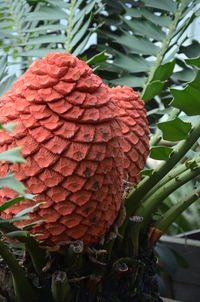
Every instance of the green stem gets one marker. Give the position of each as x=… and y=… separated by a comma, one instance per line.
x=170, y=216
x=60, y=287
x=137, y=194
x=23, y=290
x=148, y=207
x=38, y=255
x=156, y=138
x=174, y=173
x=153, y=201
x=165, y=45
x=194, y=148
x=70, y=26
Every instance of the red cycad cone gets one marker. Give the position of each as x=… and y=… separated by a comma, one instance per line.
x=71, y=135
x=135, y=131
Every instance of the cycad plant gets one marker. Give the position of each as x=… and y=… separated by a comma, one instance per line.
x=88, y=231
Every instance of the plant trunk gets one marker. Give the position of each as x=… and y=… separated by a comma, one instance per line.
x=124, y=278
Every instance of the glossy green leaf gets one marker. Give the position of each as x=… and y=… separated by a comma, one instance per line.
x=195, y=62
x=154, y=88
x=10, y=203
x=164, y=71
x=175, y=129
x=160, y=153
x=147, y=172
x=13, y=155
x=187, y=100
x=96, y=59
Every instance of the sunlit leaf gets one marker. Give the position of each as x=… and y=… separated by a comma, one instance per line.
x=100, y=57
x=154, y=88
x=160, y=153
x=195, y=62
x=164, y=71
x=147, y=172
x=175, y=129
x=187, y=99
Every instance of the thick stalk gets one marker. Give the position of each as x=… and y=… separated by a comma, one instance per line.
x=23, y=290
x=153, y=201
x=194, y=148
x=148, y=207
x=165, y=46
x=137, y=194
x=170, y=216
x=156, y=138
x=172, y=174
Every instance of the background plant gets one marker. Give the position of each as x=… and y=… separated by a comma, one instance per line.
x=143, y=44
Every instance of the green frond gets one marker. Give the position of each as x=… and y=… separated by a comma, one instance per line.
x=13, y=25
x=28, y=32
x=146, y=32
x=58, y=26
x=6, y=79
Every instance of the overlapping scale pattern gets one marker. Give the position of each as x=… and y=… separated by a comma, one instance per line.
x=135, y=131
x=69, y=127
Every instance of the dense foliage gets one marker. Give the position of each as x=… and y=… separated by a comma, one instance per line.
x=144, y=44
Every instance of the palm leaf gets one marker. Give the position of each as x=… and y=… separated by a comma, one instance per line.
x=29, y=32
x=6, y=79
x=146, y=32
